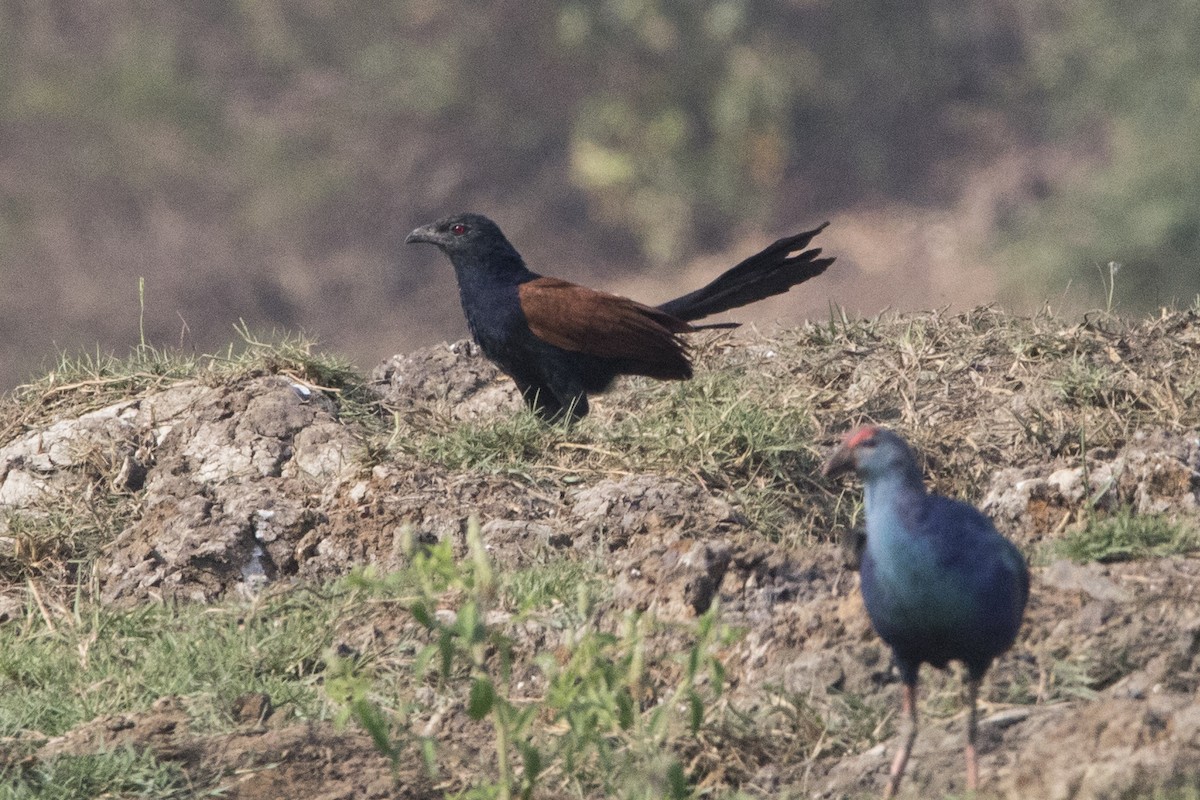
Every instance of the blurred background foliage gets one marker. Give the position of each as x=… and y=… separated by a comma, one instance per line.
x=1124, y=81
x=263, y=160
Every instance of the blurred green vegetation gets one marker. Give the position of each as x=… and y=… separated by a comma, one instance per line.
x=1123, y=80
x=666, y=122
x=703, y=116
x=263, y=160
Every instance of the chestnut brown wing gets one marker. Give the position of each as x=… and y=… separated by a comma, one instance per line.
x=643, y=340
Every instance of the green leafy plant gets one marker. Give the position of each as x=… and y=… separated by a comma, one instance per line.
x=600, y=720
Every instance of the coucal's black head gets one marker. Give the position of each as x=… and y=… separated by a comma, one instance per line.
x=460, y=233
x=478, y=250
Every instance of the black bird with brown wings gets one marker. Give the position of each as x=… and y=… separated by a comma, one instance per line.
x=559, y=341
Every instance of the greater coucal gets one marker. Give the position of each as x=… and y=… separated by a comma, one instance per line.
x=559, y=341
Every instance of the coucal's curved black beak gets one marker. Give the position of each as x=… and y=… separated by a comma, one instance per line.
x=425, y=233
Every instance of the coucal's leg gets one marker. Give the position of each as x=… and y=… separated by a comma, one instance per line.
x=569, y=395
x=553, y=385
x=578, y=407
x=551, y=405
x=972, y=714
x=908, y=710
x=540, y=400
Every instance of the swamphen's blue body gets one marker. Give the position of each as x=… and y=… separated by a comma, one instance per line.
x=939, y=582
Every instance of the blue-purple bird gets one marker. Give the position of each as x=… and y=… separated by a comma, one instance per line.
x=939, y=582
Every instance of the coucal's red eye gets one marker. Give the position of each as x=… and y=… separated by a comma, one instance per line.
x=458, y=229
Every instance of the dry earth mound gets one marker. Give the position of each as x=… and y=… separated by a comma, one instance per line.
x=223, y=489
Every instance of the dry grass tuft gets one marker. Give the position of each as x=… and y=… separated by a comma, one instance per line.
x=974, y=392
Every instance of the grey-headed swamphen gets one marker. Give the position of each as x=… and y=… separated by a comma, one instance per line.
x=939, y=582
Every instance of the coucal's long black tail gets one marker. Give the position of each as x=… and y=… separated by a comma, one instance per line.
x=769, y=272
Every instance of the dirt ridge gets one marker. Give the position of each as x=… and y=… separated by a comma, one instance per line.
x=258, y=483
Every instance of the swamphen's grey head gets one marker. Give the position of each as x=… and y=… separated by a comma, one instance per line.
x=871, y=451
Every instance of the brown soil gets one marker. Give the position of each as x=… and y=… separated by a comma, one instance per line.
x=259, y=482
